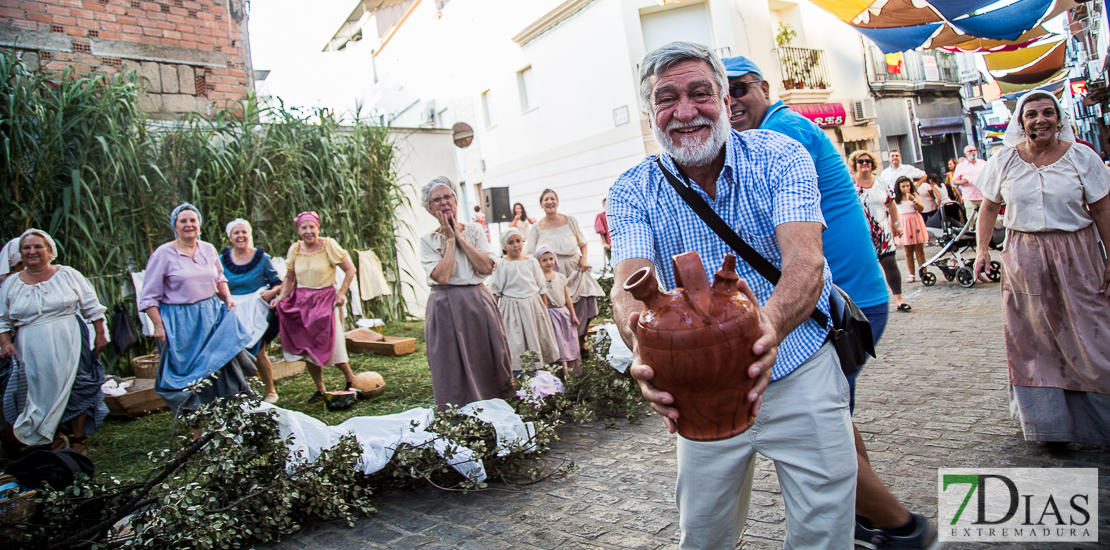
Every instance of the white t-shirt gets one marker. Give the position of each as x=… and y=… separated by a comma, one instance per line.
x=891, y=175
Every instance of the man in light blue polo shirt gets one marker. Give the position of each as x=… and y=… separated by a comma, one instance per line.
x=855, y=268
x=763, y=185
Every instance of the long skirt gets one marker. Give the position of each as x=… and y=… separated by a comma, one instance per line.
x=585, y=309
x=311, y=327
x=1056, y=326
x=467, y=350
x=257, y=317
x=25, y=385
x=566, y=336
x=528, y=328
x=202, y=339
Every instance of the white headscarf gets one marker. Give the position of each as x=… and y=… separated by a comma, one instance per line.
x=509, y=233
x=9, y=256
x=45, y=236
x=1015, y=134
x=240, y=221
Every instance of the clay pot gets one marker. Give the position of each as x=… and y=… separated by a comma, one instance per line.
x=698, y=339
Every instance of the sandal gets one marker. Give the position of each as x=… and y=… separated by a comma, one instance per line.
x=315, y=397
x=60, y=442
x=77, y=444
x=904, y=307
x=911, y=279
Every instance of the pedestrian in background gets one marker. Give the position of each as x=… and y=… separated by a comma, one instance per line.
x=1055, y=280
x=882, y=218
x=914, y=233
x=601, y=227
x=480, y=217
x=521, y=221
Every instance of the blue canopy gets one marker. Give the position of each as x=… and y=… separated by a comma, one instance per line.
x=1006, y=23
x=900, y=39
x=1053, y=89
x=952, y=9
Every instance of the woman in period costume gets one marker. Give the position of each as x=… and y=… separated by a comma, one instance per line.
x=54, y=385
x=467, y=349
x=1055, y=281
x=185, y=294
x=562, y=234
x=310, y=307
x=253, y=282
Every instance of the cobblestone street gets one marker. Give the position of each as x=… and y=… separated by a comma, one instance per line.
x=936, y=397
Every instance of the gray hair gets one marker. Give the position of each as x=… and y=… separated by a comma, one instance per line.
x=426, y=192
x=665, y=57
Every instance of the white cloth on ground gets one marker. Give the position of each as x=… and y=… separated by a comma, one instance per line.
x=510, y=428
x=253, y=313
x=378, y=436
x=48, y=341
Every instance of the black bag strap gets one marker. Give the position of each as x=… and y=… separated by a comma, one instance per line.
x=761, y=265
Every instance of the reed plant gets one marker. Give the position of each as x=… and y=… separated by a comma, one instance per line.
x=80, y=159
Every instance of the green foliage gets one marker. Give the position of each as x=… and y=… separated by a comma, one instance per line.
x=604, y=305
x=79, y=159
x=600, y=390
x=785, y=35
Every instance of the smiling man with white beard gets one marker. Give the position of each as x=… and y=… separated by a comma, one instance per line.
x=764, y=186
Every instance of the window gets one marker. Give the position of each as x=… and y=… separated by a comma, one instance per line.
x=527, y=84
x=689, y=23
x=487, y=109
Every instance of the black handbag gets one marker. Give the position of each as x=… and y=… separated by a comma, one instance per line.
x=124, y=335
x=850, y=332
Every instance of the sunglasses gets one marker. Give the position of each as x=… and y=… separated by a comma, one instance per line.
x=863, y=161
x=740, y=89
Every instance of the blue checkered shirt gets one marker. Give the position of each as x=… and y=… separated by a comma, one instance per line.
x=768, y=179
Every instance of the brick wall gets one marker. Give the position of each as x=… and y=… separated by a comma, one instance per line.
x=193, y=55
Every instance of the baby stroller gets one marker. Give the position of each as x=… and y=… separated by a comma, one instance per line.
x=957, y=235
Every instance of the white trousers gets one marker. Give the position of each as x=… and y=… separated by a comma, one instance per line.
x=805, y=428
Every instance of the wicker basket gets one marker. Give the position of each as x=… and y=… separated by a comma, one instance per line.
x=15, y=511
x=145, y=366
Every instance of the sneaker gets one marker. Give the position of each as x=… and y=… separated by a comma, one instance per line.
x=924, y=536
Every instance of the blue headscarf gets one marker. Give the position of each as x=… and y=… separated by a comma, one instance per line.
x=740, y=66
x=176, y=211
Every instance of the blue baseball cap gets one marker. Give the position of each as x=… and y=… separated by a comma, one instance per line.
x=740, y=66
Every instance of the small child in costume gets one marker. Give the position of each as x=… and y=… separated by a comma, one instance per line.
x=518, y=286
x=563, y=319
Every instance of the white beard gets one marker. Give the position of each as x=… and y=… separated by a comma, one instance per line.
x=694, y=151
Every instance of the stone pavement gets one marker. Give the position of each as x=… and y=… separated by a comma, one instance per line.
x=936, y=397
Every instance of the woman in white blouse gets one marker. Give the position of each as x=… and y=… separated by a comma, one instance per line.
x=1055, y=279
x=55, y=380
x=466, y=345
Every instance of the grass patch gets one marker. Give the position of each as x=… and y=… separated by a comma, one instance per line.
x=120, y=447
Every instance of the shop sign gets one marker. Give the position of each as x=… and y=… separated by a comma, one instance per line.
x=929, y=63
x=825, y=115
x=1079, y=87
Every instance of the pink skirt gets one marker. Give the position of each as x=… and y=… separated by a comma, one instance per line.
x=913, y=230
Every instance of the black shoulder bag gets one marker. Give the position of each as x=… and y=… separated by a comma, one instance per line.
x=850, y=332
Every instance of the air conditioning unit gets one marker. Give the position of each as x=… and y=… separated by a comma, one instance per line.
x=863, y=109
x=428, y=113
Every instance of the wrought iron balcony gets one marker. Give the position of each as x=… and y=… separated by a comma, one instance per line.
x=932, y=66
x=803, y=68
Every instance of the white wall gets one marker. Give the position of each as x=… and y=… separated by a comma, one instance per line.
x=422, y=155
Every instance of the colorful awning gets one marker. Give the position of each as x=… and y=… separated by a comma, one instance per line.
x=1003, y=61
x=898, y=25
x=1040, y=71
x=1005, y=23
x=822, y=114
x=940, y=126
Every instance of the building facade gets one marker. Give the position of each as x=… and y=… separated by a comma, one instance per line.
x=551, y=87
x=192, y=55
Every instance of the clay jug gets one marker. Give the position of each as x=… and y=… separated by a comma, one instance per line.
x=698, y=339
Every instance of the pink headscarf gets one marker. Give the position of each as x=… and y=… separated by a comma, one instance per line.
x=306, y=216
x=544, y=249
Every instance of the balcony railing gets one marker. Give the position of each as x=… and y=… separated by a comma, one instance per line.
x=803, y=68
x=916, y=67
